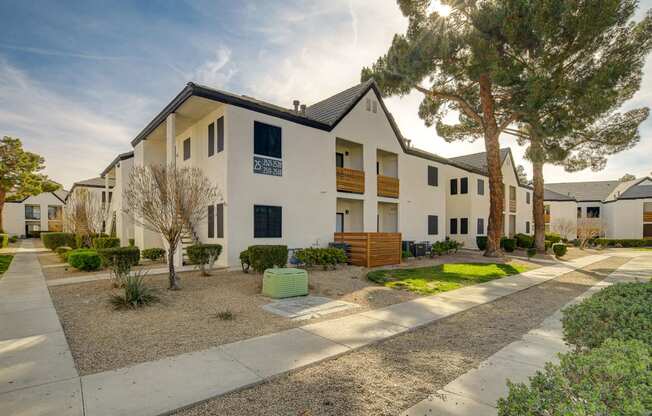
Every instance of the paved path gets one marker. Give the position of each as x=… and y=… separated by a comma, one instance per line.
x=477, y=391
x=37, y=372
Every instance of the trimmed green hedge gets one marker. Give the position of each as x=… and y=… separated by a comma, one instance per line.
x=622, y=311
x=615, y=379
x=481, y=242
x=63, y=252
x=263, y=257
x=4, y=240
x=56, y=240
x=508, y=244
x=105, y=242
x=201, y=253
x=153, y=254
x=327, y=257
x=119, y=255
x=84, y=259
x=559, y=249
x=623, y=242
x=552, y=237
x=524, y=240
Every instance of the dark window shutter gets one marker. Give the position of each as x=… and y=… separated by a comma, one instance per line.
x=186, y=149
x=464, y=225
x=480, y=229
x=211, y=221
x=433, y=176
x=211, y=139
x=464, y=185
x=454, y=186
x=527, y=227
x=220, y=134
x=453, y=225
x=267, y=140
x=527, y=197
x=433, y=225
x=219, y=219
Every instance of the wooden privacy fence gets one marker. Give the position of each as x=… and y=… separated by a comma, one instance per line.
x=372, y=249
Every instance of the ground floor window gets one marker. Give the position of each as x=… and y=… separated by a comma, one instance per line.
x=480, y=227
x=268, y=221
x=453, y=226
x=464, y=225
x=433, y=225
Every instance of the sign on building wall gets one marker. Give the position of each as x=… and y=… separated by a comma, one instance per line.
x=267, y=166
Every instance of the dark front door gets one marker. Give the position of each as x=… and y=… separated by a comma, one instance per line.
x=339, y=160
x=339, y=222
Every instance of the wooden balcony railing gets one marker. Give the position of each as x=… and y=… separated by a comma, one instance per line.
x=647, y=217
x=350, y=180
x=546, y=218
x=512, y=205
x=387, y=186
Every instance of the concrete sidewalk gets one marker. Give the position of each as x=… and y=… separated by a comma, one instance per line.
x=477, y=391
x=165, y=385
x=37, y=372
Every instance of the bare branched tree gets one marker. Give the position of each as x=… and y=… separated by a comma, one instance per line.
x=169, y=200
x=588, y=229
x=83, y=215
x=564, y=227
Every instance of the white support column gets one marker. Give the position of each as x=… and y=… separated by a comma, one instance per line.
x=170, y=139
x=107, y=214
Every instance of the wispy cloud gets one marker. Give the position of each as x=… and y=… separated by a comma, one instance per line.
x=217, y=71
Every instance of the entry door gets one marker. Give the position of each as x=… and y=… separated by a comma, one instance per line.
x=339, y=160
x=339, y=222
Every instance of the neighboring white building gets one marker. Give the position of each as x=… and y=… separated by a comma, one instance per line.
x=622, y=210
x=115, y=179
x=34, y=214
x=99, y=188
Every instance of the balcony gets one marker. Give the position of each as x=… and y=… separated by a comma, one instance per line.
x=647, y=216
x=546, y=218
x=350, y=180
x=387, y=186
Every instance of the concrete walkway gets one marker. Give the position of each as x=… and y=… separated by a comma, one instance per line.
x=477, y=391
x=161, y=386
x=37, y=372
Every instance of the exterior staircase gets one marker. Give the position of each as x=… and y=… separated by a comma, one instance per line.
x=188, y=238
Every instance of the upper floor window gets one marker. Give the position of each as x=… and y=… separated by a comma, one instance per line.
x=592, y=212
x=433, y=176
x=211, y=139
x=454, y=186
x=480, y=186
x=464, y=185
x=267, y=140
x=220, y=134
x=54, y=212
x=527, y=197
x=579, y=212
x=32, y=212
x=186, y=149
x=339, y=160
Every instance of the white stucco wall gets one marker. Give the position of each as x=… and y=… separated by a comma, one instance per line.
x=624, y=218
x=563, y=212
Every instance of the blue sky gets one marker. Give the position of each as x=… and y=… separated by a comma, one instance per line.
x=78, y=80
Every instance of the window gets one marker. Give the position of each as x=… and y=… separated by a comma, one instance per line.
x=464, y=185
x=211, y=139
x=592, y=212
x=267, y=221
x=512, y=193
x=453, y=226
x=267, y=140
x=54, y=213
x=527, y=227
x=186, y=149
x=453, y=186
x=433, y=225
x=219, y=220
x=433, y=176
x=211, y=221
x=374, y=107
x=579, y=212
x=339, y=160
x=464, y=225
x=220, y=134
x=32, y=212
x=527, y=198
x=480, y=226
x=480, y=186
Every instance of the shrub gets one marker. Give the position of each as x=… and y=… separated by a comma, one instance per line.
x=623, y=242
x=524, y=240
x=508, y=244
x=481, y=241
x=244, y=260
x=63, y=252
x=406, y=254
x=132, y=242
x=531, y=252
x=225, y=315
x=4, y=240
x=547, y=244
x=326, y=257
x=263, y=257
x=445, y=247
x=55, y=240
x=204, y=255
x=84, y=259
x=554, y=238
x=135, y=293
x=111, y=256
x=153, y=254
x=614, y=379
x=621, y=311
x=559, y=249
x=13, y=239
x=105, y=242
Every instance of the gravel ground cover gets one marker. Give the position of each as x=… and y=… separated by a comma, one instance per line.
x=62, y=270
x=187, y=320
x=386, y=378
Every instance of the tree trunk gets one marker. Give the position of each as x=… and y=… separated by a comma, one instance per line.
x=537, y=196
x=496, y=191
x=174, y=282
x=3, y=196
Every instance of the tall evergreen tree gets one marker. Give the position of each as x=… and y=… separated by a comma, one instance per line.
x=576, y=64
x=455, y=62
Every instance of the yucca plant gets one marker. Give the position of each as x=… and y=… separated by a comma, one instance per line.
x=136, y=293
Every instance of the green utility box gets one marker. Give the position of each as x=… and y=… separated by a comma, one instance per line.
x=285, y=283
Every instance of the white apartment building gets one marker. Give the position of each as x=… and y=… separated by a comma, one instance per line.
x=115, y=177
x=101, y=189
x=34, y=214
x=622, y=210
x=297, y=176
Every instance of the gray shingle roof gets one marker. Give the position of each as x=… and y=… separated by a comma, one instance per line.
x=641, y=190
x=585, y=191
x=93, y=182
x=550, y=195
x=62, y=194
x=479, y=160
x=331, y=109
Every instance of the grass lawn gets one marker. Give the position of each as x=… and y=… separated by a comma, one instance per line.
x=644, y=249
x=444, y=277
x=5, y=260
